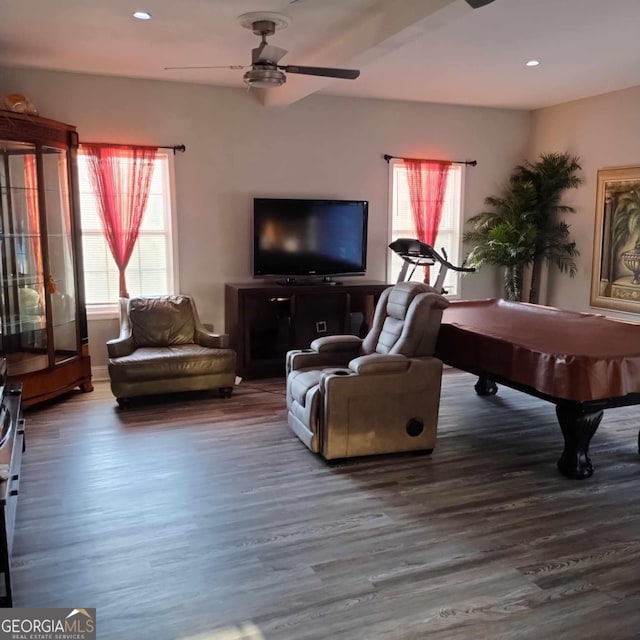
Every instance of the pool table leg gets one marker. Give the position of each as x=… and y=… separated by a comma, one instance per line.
x=485, y=386
x=578, y=427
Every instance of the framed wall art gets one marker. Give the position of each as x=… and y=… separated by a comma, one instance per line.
x=615, y=278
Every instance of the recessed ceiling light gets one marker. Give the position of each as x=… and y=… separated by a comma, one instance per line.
x=533, y=63
x=142, y=15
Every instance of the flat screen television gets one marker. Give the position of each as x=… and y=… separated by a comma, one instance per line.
x=309, y=239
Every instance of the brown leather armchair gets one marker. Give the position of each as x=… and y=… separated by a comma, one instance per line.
x=163, y=348
x=348, y=396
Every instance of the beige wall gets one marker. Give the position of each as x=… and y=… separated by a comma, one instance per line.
x=323, y=146
x=604, y=131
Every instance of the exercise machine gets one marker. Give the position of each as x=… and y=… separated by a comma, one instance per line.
x=419, y=254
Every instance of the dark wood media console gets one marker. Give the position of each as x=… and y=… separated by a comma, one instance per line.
x=264, y=320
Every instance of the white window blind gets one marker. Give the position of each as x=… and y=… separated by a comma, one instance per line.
x=150, y=269
x=402, y=225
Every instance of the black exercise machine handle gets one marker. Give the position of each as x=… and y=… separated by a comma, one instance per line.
x=420, y=254
x=413, y=250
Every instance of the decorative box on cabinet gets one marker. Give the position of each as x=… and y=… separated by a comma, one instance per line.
x=265, y=319
x=42, y=309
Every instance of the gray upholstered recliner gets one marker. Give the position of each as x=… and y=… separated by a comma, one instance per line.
x=348, y=396
x=163, y=347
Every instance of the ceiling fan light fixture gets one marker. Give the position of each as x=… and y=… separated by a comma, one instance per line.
x=264, y=78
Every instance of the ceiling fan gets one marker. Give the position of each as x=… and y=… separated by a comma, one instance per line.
x=476, y=4
x=264, y=71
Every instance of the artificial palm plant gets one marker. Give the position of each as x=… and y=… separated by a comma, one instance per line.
x=523, y=229
x=505, y=235
x=551, y=176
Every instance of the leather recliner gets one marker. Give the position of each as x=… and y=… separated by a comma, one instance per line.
x=163, y=348
x=348, y=396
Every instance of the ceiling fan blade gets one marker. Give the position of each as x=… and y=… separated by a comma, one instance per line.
x=476, y=4
x=347, y=74
x=267, y=53
x=228, y=66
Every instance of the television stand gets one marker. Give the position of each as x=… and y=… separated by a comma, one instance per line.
x=295, y=282
x=264, y=320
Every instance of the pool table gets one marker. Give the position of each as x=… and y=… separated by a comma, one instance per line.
x=582, y=362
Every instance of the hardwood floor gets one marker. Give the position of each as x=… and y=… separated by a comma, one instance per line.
x=202, y=517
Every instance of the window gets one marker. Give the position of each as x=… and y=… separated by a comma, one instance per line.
x=150, y=270
x=402, y=226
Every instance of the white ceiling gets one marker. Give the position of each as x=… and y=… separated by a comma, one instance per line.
x=422, y=50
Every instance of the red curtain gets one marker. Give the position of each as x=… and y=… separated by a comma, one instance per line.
x=121, y=177
x=33, y=214
x=427, y=186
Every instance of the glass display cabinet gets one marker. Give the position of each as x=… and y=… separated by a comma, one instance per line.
x=42, y=309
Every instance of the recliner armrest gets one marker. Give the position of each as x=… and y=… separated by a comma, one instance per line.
x=414, y=374
x=308, y=359
x=380, y=363
x=330, y=351
x=212, y=340
x=122, y=346
x=337, y=344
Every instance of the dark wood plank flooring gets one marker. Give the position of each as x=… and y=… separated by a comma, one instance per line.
x=200, y=517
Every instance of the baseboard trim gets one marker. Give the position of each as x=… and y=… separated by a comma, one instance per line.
x=99, y=373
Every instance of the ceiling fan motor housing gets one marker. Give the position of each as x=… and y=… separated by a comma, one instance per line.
x=264, y=77
x=264, y=27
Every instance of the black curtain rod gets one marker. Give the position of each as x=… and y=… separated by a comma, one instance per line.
x=176, y=147
x=471, y=163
